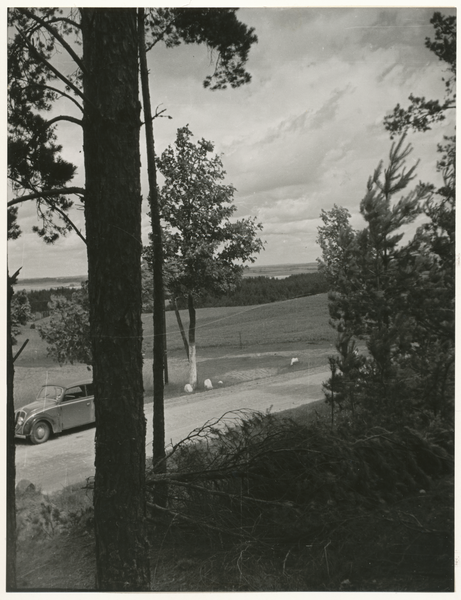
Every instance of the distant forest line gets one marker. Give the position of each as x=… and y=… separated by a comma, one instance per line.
x=250, y=291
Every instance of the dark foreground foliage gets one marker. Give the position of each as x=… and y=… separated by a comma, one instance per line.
x=318, y=502
x=261, y=503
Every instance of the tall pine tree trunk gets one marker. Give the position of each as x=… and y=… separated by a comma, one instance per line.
x=159, y=305
x=192, y=347
x=113, y=233
x=10, y=454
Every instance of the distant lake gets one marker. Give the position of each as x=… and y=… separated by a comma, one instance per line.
x=48, y=283
x=280, y=271
x=275, y=271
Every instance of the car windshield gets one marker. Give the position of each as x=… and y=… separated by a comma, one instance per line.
x=49, y=392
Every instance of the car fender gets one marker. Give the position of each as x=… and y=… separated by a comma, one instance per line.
x=55, y=423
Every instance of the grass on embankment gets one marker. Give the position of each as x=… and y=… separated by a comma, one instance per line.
x=225, y=339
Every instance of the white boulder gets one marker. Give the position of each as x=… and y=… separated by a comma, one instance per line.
x=207, y=384
x=294, y=361
x=188, y=388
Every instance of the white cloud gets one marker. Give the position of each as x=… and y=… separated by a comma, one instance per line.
x=306, y=133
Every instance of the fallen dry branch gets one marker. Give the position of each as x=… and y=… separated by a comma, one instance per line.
x=177, y=515
x=201, y=476
x=240, y=498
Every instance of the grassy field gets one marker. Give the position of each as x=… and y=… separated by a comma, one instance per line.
x=234, y=345
x=290, y=324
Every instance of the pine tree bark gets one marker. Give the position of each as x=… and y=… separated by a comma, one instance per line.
x=159, y=305
x=11, y=455
x=113, y=227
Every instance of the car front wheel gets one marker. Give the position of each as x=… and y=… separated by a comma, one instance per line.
x=40, y=432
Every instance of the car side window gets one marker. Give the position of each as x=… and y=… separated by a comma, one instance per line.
x=89, y=389
x=74, y=393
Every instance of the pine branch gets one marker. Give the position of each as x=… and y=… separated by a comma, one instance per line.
x=63, y=118
x=56, y=72
x=44, y=193
x=67, y=219
x=70, y=22
x=56, y=120
x=44, y=196
x=53, y=89
x=56, y=35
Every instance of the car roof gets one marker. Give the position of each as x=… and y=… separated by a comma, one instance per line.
x=67, y=383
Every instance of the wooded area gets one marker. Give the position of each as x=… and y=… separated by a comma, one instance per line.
x=249, y=291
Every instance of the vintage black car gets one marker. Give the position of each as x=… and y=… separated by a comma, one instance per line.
x=58, y=407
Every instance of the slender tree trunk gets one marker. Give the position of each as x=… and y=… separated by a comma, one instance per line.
x=181, y=327
x=165, y=350
x=11, y=454
x=159, y=305
x=113, y=226
x=192, y=347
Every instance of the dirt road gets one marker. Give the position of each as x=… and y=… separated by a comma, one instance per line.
x=69, y=458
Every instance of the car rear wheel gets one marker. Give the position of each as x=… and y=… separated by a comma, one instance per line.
x=40, y=432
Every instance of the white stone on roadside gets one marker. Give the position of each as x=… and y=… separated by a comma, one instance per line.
x=294, y=361
x=220, y=383
x=188, y=388
x=207, y=384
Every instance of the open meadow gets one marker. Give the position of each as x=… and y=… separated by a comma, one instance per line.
x=234, y=344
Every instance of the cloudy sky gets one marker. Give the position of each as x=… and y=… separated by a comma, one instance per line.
x=305, y=134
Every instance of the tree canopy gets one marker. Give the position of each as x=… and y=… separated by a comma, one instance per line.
x=67, y=332
x=35, y=164
x=422, y=114
x=382, y=291
x=398, y=294
x=204, y=249
x=20, y=312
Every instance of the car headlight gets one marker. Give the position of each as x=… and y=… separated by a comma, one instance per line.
x=20, y=421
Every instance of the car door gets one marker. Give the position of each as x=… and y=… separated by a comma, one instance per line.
x=90, y=394
x=76, y=407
